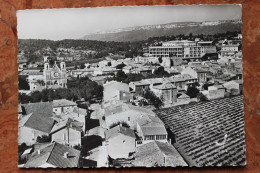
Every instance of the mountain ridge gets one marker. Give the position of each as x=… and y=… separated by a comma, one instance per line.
x=139, y=33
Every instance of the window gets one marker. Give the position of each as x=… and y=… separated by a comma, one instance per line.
x=128, y=118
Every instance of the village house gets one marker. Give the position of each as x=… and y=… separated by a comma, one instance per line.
x=67, y=132
x=33, y=125
x=54, y=155
x=114, y=90
x=200, y=74
x=214, y=92
x=82, y=72
x=180, y=81
x=234, y=87
x=167, y=92
x=139, y=87
x=228, y=48
x=142, y=70
x=157, y=153
x=183, y=99
x=63, y=106
x=120, y=142
x=115, y=112
x=150, y=128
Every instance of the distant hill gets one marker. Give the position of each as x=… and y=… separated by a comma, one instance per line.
x=140, y=33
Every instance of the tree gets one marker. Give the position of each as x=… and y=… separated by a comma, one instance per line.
x=82, y=66
x=121, y=76
x=36, y=96
x=202, y=97
x=109, y=63
x=43, y=139
x=22, y=83
x=120, y=66
x=160, y=60
x=23, y=98
x=153, y=99
x=160, y=72
x=192, y=91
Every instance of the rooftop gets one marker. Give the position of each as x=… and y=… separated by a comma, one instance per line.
x=63, y=103
x=37, y=122
x=41, y=108
x=111, y=133
x=198, y=128
x=54, y=154
x=154, y=153
x=67, y=123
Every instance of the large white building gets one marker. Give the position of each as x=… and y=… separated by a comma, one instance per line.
x=183, y=48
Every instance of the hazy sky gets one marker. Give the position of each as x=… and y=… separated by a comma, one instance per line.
x=74, y=23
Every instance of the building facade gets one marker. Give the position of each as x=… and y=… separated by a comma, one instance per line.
x=55, y=75
x=183, y=48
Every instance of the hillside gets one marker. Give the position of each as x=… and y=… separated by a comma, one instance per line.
x=144, y=32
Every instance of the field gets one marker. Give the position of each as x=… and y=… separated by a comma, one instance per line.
x=208, y=133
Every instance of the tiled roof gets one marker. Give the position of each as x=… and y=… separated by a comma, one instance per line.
x=63, y=102
x=67, y=123
x=119, y=130
x=199, y=127
x=54, y=154
x=34, y=121
x=164, y=86
x=41, y=108
x=157, y=153
x=151, y=125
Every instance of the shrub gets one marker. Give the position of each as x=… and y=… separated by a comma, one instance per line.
x=153, y=99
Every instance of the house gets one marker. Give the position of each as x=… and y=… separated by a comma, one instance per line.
x=122, y=112
x=167, y=92
x=63, y=106
x=234, y=87
x=139, y=87
x=142, y=70
x=120, y=142
x=33, y=125
x=214, y=92
x=198, y=73
x=114, y=90
x=155, y=153
x=183, y=98
x=150, y=128
x=54, y=155
x=67, y=132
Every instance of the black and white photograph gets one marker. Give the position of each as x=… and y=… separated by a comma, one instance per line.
x=131, y=86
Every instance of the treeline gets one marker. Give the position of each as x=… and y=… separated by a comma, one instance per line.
x=78, y=88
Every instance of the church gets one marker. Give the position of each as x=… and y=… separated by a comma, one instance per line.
x=55, y=75
x=51, y=77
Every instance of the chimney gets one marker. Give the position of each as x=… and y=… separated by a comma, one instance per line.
x=66, y=155
x=39, y=152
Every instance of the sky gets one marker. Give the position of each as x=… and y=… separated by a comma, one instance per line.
x=74, y=23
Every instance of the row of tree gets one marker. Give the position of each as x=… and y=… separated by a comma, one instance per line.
x=78, y=88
